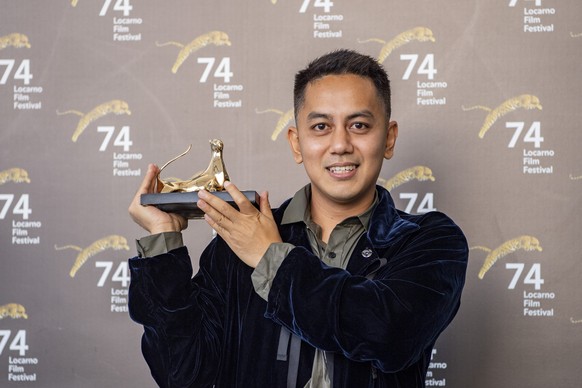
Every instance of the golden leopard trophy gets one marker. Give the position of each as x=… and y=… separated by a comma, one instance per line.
x=174, y=195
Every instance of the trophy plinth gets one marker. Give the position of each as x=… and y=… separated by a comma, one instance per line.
x=185, y=205
x=180, y=196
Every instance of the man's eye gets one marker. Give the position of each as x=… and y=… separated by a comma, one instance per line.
x=320, y=127
x=359, y=126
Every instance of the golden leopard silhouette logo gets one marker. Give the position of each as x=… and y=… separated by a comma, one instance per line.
x=419, y=173
x=526, y=243
x=524, y=101
x=284, y=121
x=114, y=242
x=575, y=178
x=573, y=35
x=217, y=38
x=13, y=310
x=419, y=34
x=16, y=175
x=15, y=40
x=117, y=107
x=575, y=321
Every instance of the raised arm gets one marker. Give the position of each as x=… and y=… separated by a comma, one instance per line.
x=389, y=320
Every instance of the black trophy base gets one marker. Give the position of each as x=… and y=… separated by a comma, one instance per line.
x=185, y=205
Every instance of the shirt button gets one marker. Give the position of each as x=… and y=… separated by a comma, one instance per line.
x=331, y=255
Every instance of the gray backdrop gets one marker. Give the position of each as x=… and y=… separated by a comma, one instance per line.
x=486, y=94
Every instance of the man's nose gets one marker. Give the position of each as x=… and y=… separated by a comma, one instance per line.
x=341, y=141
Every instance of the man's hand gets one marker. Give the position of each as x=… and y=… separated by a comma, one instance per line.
x=248, y=232
x=151, y=218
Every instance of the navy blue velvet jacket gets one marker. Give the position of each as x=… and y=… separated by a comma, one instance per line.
x=380, y=317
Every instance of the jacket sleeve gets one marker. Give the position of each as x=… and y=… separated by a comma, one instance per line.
x=390, y=320
x=182, y=316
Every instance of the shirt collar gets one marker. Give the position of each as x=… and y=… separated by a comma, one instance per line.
x=384, y=225
x=299, y=209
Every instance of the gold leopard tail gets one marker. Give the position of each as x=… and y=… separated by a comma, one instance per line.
x=420, y=34
x=177, y=157
x=114, y=242
x=217, y=38
x=480, y=248
x=15, y=40
x=16, y=175
x=282, y=123
x=75, y=247
x=485, y=108
x=117, y=107
x=526, y=243
x=279, y=112
x=13, y=310
x=170, y=43
x=68, y=112
x=525, y=101
x=161, y=184
x=376, y=40
x=420, y=173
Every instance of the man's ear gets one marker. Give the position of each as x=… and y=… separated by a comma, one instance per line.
x=293, y=138
x=391, y=136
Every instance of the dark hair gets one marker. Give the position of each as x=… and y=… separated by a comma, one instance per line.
x=343, y=62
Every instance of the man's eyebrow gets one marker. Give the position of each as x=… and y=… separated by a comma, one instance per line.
x=364, y=113
x=318, y=115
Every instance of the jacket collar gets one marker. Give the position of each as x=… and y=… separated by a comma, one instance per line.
x=386, y=225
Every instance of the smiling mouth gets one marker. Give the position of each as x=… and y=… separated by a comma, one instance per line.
x=342, y=169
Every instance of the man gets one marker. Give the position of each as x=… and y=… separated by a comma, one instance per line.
x=336, y=288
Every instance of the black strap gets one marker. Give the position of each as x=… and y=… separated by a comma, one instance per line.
x=293, y=370
x=286, y=337
x=329, y=364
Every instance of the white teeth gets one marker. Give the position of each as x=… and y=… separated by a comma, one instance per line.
x=341, y=169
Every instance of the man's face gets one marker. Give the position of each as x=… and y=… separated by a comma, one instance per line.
x=342, y=137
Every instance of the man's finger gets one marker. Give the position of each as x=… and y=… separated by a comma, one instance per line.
x=245, y=206
x=215, y=208
x=218, y=204
x=214, y=225
x=148, y=183
x=265, y=206
x=153, y=181
x=144, y=186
